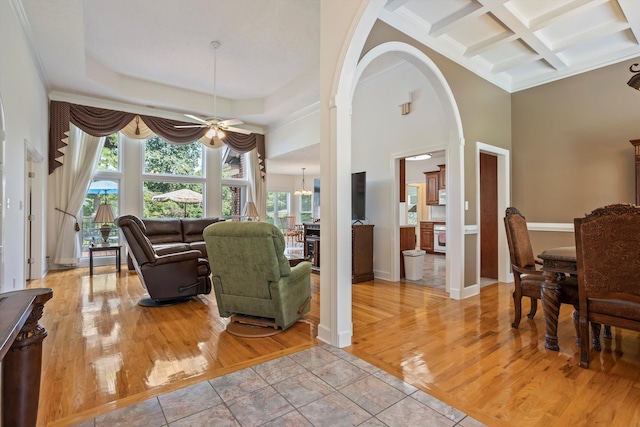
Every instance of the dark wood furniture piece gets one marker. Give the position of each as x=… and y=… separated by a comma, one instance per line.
x=636, y=146
x=442, y=177
x=361, y=253
x=607, y=248
x=560, y=286
x=116, y=248
x=527, y=280
x=432, y=180
x=427, y=235
x=403, y=180
x=21, y=354
x=407, y=242
x=435, y=181
x=312, y=245
x=361, y=250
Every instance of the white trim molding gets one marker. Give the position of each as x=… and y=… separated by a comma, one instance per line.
x=550, y=226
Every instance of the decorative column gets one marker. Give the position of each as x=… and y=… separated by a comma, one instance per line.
x=636, y=144
x=21, y=366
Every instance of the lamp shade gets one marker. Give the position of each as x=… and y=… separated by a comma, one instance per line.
x=104, y=214
x=250, y=210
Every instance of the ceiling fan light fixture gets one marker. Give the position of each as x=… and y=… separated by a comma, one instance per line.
x=210, y=133
x=634, y=81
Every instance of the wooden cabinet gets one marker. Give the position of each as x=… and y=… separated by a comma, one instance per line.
x=407, y=242
x=361, y=253
x=442, y=177
x=436, y=181
x=361, y=250
x=426, y=236
x=432, y=181
x=312, y=245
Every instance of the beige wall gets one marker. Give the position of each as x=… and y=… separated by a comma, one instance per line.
x=571, y=150
x=485, y=110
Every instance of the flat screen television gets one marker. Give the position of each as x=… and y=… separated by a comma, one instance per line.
x=358, y=195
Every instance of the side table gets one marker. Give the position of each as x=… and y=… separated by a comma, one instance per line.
x=92, y=249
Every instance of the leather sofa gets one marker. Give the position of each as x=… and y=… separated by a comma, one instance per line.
x=175, y=234
x=169, y=276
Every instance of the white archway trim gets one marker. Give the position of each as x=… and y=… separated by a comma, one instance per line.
x=335, y=325
x=505, y=275
x=454, y=156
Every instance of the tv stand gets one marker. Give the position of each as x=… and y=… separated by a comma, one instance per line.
x=361, y=250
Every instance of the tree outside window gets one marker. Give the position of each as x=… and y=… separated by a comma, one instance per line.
x=168, y=168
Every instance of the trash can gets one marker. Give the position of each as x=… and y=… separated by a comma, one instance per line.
x=413, y=264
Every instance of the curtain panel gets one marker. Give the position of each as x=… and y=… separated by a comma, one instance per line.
x=102, y=122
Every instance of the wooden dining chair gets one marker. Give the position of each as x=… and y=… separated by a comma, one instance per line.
x=289, y=230
x=607, y=248
x=527, y=279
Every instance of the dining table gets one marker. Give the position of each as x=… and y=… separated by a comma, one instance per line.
x=560, y=286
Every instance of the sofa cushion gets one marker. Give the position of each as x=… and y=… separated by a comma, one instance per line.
x=200, y=246
x=163, y=230
x=192, y=228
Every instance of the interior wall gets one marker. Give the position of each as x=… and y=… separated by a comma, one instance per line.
x=571, y=150
x=25, y=106
x=379, y=131
x=485, y=110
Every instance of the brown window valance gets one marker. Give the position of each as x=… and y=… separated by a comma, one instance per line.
x=102, y=122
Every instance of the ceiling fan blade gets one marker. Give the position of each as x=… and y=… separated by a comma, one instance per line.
x=190, y=126
x=230, y=122
x=197, y=119
x=237, y=130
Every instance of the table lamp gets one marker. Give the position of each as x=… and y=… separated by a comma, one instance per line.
x=250, y=212
x=104, y=216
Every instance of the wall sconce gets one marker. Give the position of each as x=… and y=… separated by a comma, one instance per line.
x=405, y=104
x=634, y=81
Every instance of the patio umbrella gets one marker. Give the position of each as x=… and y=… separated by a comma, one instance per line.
x=183, y=195
x=103, y=187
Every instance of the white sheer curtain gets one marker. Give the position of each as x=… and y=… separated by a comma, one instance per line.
x=257, y=187
x=71, y=184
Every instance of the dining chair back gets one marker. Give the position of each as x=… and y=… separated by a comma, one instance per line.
x=289, y=230
x=607, y=248
x=527, y=280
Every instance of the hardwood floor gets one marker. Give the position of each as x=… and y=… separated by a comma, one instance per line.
x=105, y=352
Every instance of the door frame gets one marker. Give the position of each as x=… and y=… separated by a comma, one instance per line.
x=505, y=275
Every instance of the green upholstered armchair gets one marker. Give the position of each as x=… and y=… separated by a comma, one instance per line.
x=252, y=277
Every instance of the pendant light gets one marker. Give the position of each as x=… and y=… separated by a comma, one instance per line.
x=303, y=191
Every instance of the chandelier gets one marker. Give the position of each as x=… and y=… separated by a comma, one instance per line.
x=304, y=191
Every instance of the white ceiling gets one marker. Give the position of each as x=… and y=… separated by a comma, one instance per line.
x=156, y=53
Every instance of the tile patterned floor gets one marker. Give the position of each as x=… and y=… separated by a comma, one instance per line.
x=321, y=386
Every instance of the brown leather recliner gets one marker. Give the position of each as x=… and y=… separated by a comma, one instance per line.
x=170, y=276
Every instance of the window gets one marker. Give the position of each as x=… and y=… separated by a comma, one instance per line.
x=173, y=179
x=412, y=204
x=234, y=183
x=104, y=189
x=306, y=208
x=277, y=206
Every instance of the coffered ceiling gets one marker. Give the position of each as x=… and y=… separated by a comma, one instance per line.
x=157, y=54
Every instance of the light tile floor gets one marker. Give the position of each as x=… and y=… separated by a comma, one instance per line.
x=321, y=386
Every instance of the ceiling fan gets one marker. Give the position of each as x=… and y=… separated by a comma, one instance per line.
x=217, y=127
